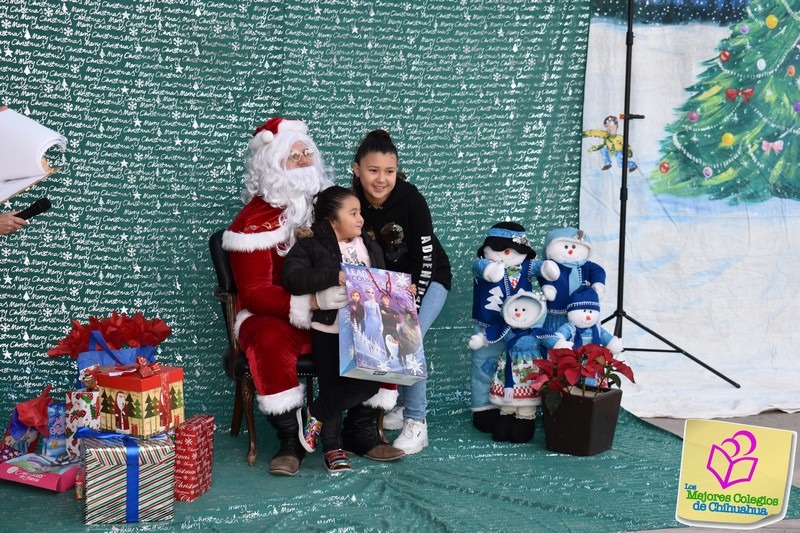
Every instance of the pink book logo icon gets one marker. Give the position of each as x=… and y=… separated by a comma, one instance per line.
x=730, y=462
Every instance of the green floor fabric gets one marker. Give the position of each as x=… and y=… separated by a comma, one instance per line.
x=462, y=482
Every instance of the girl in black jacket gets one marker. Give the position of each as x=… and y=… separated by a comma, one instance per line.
x=312, y=266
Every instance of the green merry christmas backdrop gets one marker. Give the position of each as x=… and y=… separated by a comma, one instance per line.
x=158, y=99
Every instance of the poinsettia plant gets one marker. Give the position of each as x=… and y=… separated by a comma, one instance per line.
x=118, y=330
x=567, y=370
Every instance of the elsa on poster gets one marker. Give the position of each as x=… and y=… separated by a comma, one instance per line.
x=373, y=323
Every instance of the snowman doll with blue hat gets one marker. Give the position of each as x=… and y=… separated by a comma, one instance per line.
x=582, y=328
x=505, y=266
x=569, y=248
x=512, y=390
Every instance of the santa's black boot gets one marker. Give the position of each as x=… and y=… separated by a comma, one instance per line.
x=502, y=429
x=485, y=420
x=290, y=453
x=360, y=436
x=522, y=430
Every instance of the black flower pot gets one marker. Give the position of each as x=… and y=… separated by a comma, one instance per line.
x=582, y=425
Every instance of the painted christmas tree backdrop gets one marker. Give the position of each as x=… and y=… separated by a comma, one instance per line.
x=735, y=137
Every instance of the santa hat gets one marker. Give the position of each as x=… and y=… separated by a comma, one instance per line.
x=568, y=234
x=265, y=133
x=584, y=297
x=506, y=235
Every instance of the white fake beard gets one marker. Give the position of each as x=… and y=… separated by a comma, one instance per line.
x=294, y=190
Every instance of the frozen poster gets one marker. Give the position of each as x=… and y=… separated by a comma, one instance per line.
x=379, y=333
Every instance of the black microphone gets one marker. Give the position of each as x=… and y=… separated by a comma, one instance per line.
x=39, y=206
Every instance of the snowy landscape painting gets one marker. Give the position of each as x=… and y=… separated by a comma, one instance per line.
x=713, y=204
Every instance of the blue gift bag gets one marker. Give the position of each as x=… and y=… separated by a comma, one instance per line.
x=105, y=356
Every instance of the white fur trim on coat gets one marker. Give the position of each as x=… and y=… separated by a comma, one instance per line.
x=282, y=402
x=300, y=311
x=250, y=242
x=241, y=316
x=384, y=399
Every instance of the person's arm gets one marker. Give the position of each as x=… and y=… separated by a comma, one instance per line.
x=300, y=276
x=421, y=245
x=9, y=223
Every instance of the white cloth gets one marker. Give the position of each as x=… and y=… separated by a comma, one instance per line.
x=23, y=143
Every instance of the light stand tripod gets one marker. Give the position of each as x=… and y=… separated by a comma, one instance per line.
x=620, y=314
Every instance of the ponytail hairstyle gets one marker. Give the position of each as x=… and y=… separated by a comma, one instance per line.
x=375, y=141
x=329, y=201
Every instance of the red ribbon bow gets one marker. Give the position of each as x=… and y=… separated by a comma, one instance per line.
x=146, y=369
x=747, y=94
x=141, y=366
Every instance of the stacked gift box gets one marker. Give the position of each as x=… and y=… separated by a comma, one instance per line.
x=137, y=452
x=128, y=480
x=194, y=444
x=142, y=401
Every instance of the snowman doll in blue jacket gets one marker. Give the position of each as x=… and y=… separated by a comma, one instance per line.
x=512, y=390
x=582, y=328
x=505, y=266
x=569, y=248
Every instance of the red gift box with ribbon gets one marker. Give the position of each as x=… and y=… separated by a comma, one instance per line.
x=140, y=400
x=194, y=448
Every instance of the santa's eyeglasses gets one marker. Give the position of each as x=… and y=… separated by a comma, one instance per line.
x=296, y=156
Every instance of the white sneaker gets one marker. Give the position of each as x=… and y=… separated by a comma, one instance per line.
x=414, y=436
x=393, y=419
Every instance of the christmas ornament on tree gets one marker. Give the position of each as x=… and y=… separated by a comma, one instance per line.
x=664, y=167
x=708, y=172
x=791, y=71
x=772, y=22
x=728, y=139
x=693, y=116
x=724, y=56
x=744, y=28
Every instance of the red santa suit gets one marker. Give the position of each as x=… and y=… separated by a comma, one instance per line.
x=268, y=315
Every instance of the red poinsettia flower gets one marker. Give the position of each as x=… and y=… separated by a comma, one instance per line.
x=565, y=367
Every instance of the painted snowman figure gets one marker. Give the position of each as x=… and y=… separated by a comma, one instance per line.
x=504, y=267
x=570, y=249
x=582, y=328
x=512, y=383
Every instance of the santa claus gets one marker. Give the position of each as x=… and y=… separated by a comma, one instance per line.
x=283, y=173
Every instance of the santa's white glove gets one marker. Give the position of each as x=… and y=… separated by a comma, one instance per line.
x=477, y=341
x=615, y=345
x=494, y=272
x=508, y=395
x=550, y=270
x=549, y=292
x=564, y=344
x=332, y=297
x=600, y=289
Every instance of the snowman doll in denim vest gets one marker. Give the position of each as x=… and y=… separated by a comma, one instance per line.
x=569, y=248
x=505, y=266
x=582, y=327
x=511, y=389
